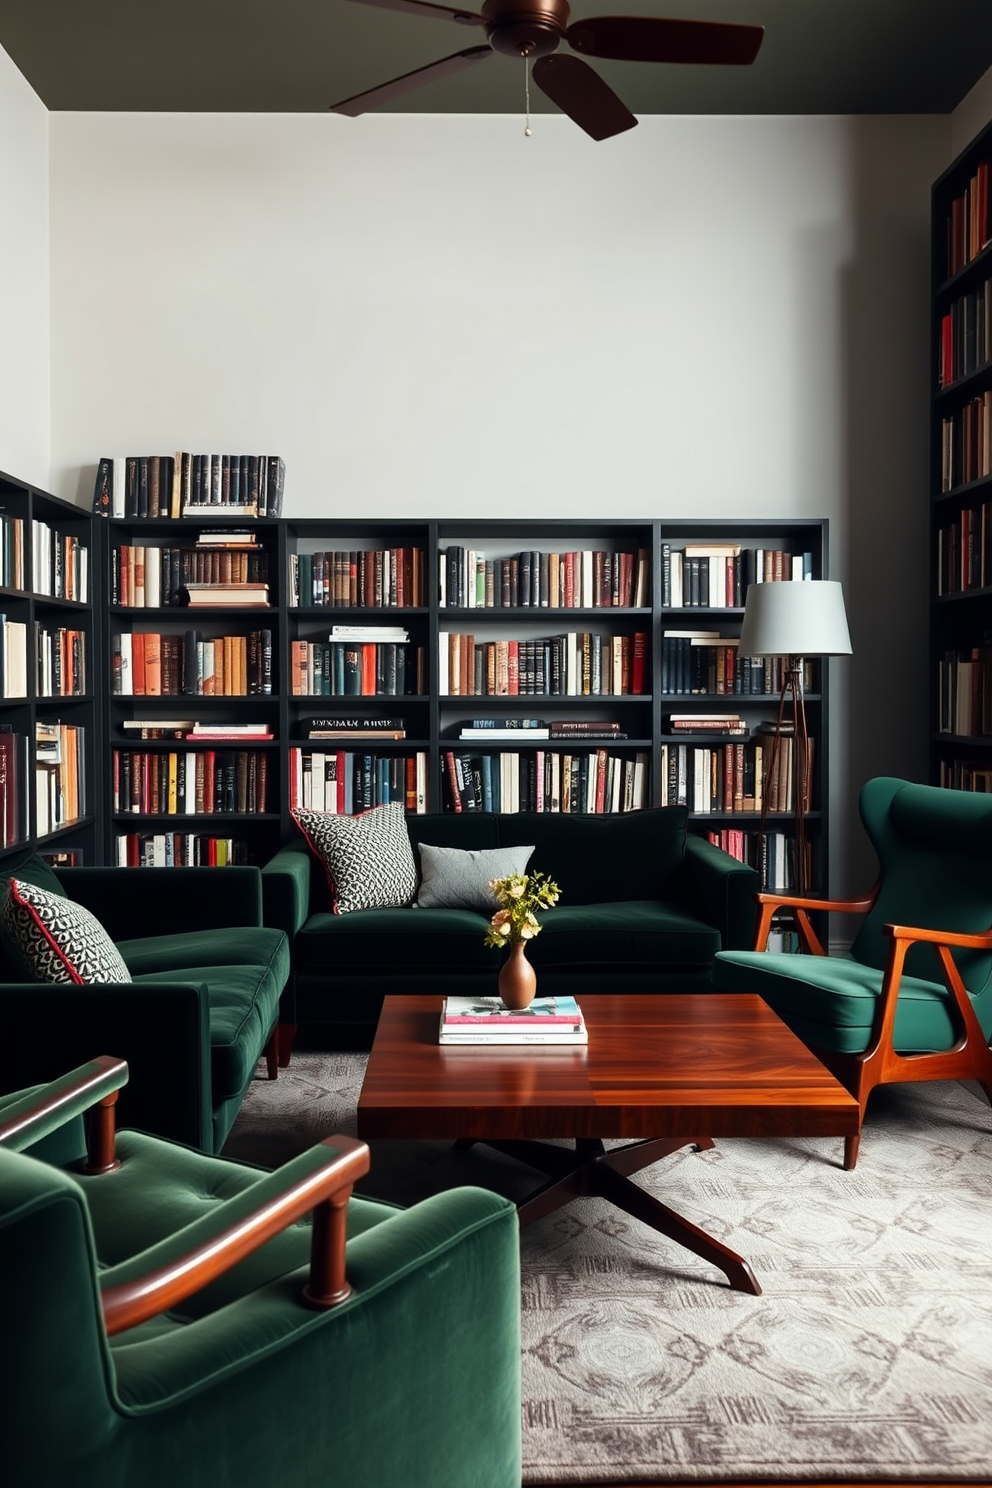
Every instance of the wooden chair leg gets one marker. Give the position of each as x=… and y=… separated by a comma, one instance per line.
x=851, y=1145
x=287, y=1033
x=272, y=1054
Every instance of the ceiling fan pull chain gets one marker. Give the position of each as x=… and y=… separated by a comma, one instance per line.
x=526, y=95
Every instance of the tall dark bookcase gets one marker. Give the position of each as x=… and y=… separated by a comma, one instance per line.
x=328, y=575
x=960, y=671
x=50, y=788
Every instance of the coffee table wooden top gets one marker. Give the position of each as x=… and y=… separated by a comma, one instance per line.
x=676, y=1065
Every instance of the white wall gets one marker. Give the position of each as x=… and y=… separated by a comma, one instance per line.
x=434, y=315
x=24, y=322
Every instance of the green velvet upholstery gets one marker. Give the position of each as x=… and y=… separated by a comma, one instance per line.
x=644, y=908
x=935, y=874
x=193, y=1023
x=415, y=1379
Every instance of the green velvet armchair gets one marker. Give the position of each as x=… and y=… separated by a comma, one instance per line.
x=913, y=999
x=163, y=1326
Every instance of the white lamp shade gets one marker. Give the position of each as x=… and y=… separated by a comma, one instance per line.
x=795, y=618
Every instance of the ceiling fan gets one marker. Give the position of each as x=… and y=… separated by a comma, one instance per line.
x=534, y=29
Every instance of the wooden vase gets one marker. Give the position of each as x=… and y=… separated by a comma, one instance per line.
x=517, y=978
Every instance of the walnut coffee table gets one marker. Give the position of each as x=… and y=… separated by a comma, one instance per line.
x=664, y=1071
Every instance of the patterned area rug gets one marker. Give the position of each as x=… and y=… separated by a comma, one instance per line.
x=869, y=1354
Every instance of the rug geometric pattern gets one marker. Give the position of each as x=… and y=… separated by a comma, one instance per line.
x=868, y=1354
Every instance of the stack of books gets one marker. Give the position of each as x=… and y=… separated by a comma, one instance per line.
x=485, y=1021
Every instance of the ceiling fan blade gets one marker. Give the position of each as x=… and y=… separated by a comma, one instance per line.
x=360, y=103
x=647, y=39
x=424, y=7
x=581, y=94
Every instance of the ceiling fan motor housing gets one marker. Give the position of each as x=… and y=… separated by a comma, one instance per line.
x=521, y=30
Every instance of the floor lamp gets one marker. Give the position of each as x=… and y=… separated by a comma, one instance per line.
x=794, y=620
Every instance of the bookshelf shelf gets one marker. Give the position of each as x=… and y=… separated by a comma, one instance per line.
x=45, y=600
x=960, y=583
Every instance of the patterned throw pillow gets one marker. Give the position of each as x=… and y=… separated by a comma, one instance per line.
x=52, y=939
x=368, y=858
x=458, y=878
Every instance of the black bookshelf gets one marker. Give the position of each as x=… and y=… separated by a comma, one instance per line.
x=325, y=574
x=50, y=790
x=960, y=586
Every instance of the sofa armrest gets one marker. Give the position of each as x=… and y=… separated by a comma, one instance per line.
x=164, y=901
x=162, y=1029
x=286, y=890
x=722, y=890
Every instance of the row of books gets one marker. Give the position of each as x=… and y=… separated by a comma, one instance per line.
x=968, y=227
x=61, y=662
x=185, y=485
x=589, y=578
x=146, y=576
x=733, y=777
x=966, y=443
x=336, y=668
x=148, y=664
x=346, y=781
x=15, y=753
x=190, y=782
x=593, y=783
x=716, y=576
x=60, y=564
x=964, y=680
x=486, y=1022
x=578, y=664
x=11, y=551
x=773, y=856
x=13, y=658
x=60, y=768
x=960, y=774
x=965, y=335
x=964, y=551
x=359, y=578
x=177, y=850
x=703, y=661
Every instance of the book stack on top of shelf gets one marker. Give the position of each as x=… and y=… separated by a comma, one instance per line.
x=185, y=485
x=487, y=1023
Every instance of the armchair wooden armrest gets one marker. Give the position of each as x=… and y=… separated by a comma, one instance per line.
x=320, y=1180
x=937, y=1066
x=40, y=1112
x=769, y=903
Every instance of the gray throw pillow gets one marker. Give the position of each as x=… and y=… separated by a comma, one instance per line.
x=456, y=878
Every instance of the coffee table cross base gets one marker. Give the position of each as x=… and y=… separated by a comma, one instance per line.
x=592, y=1171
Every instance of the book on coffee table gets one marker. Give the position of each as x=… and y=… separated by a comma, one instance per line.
x=485, y=1020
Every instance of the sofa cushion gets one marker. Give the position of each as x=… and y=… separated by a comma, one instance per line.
x=459, y=878
x=48, y=938
x=368, y=858
x=637, y=932
x=243, y=996
x=605, y=859
x=246, y=945
x=396, y=938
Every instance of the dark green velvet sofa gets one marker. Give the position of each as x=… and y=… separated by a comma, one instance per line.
x=195, y=1019
x=644, y=907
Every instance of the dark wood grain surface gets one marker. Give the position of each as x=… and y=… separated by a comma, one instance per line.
x=655, y=1066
